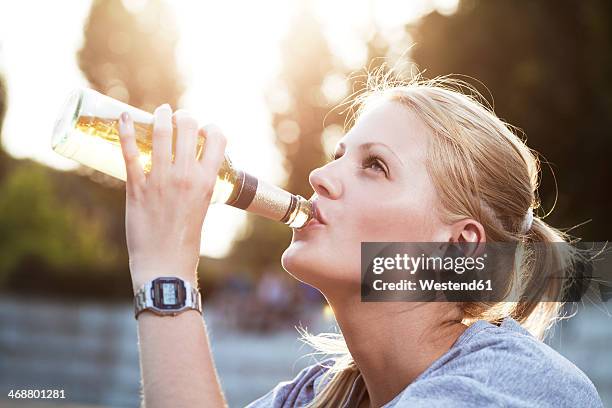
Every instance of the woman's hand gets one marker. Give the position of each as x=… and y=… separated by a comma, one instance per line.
x=165, y=208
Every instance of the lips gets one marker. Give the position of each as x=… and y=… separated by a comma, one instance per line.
x=317, y=219
x=318, y=214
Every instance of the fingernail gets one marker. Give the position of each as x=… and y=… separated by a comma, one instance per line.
x=125, y=117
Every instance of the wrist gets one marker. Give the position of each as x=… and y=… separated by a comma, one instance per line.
x=143, y=271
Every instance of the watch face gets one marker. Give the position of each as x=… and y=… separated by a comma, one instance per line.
x=168, y=293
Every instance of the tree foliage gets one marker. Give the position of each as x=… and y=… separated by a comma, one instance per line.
x=37, y=223
x=130, y=55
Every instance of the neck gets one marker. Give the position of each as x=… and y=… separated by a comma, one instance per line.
x=392, y=343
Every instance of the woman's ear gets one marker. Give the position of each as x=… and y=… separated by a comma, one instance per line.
x=469, y=234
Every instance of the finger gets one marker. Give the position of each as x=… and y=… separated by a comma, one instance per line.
x=186, y=140
x=214, y=150
x=131, y=154
x=162, y=141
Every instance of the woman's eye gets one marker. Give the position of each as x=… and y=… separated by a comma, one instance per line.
x=372, y=162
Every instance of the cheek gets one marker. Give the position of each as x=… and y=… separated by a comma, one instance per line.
x=395, y=223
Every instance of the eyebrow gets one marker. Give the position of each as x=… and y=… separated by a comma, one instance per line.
x=368, y=145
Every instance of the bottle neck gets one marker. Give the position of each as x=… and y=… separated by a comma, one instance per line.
x=267, y=200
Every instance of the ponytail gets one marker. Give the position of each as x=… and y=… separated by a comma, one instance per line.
x=547, y=259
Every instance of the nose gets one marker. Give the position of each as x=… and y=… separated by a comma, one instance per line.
x=324, y=184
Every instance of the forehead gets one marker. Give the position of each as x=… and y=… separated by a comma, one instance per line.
x=395, y=125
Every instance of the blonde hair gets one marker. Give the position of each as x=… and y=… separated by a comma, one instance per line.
x=481, y=170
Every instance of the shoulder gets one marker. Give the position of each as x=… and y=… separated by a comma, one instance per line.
x=296, y=392
x=505, y=365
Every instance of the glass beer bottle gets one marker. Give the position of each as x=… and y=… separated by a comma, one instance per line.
x=87, y=132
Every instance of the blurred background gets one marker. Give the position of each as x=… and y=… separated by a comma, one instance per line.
x=271, y=74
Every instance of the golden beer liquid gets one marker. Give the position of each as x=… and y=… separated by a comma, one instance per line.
x=91, y=128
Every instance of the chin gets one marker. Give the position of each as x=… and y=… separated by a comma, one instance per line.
x=301, y=262
x=316, y=267
x=295, y=257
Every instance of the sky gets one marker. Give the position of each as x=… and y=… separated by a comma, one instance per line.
x=38, y=59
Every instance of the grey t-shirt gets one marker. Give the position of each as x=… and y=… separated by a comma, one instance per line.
x=489, y=365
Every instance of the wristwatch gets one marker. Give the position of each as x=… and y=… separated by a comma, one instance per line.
x=167, y=296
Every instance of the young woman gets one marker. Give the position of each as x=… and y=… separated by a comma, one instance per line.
x=422, y=163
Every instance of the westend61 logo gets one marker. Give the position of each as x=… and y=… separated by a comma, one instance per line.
x=488, y=272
